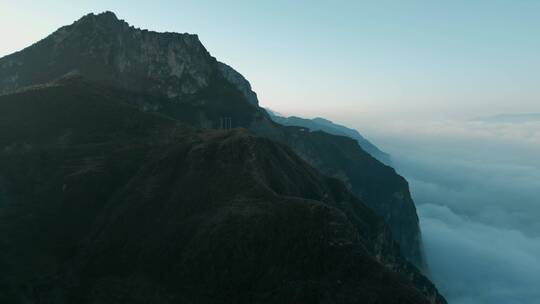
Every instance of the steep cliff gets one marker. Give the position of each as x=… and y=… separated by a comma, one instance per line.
x=379, y=186
x=239, y=82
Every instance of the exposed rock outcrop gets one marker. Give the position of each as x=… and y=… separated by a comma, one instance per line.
x=239, y=82
x=108, y=50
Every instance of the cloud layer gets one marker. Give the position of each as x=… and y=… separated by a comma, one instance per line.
x=477, y=189
x=477, y=263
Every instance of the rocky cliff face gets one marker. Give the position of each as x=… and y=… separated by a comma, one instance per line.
x=104, y=203
x=239, y=82
x=108, y=50
x=173, y=74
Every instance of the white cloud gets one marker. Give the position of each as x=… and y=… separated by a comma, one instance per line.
x=477, y=263
x=477, y=189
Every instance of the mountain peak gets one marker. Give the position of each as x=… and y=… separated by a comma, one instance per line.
x=109, y=21
x=104, y=16
x=107, y=14
x=105, y=19
x=103, y=48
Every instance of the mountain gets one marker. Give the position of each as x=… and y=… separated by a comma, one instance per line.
x=173, y=75
x=103, y=203
x=322, y=124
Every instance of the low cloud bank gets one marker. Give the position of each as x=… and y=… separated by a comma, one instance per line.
x=477, y=263
x=477, y=189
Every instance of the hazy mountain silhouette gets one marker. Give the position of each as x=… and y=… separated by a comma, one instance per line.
x=511, y=118
x=322, y=124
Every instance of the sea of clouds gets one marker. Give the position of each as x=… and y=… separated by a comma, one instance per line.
x=477, y=189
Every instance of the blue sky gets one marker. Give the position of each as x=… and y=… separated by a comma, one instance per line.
x=341, y=59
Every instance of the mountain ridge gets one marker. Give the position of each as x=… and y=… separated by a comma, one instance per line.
x=510, y=118
x=319, y=123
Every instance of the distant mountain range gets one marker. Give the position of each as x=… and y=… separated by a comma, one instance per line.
x=120, y=183
x=511, y=118
x=322, y=124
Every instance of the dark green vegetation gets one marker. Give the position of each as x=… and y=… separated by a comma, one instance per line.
x=114, y=188
x=103, y=203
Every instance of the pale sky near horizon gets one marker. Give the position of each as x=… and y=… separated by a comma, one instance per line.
x=341, y=59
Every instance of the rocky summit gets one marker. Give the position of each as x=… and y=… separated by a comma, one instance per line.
x=116, y=185
x=108, y=50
